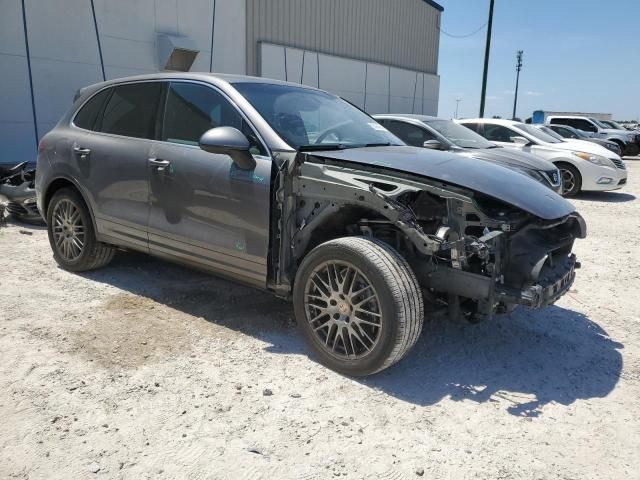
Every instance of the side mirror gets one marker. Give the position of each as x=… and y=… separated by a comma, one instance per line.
x=229, y=141
x=518, y=140
x=433, y=145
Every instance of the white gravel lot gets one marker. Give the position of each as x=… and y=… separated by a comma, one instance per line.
x=148, y=370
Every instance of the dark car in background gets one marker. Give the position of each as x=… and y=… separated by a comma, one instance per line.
x=292, y=190
x=568, y=132
x=442, y=134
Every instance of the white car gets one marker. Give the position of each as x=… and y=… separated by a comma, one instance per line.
x=584, y=166
x=629, y=142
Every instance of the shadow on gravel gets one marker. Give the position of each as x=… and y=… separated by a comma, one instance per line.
x=609, y=197
x=528, y=360
x=34, y=225
x=216, y=300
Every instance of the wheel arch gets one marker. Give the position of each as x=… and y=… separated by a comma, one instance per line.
x=617, y=141
x=326, y=228
x=65, y=182
x=566, y=160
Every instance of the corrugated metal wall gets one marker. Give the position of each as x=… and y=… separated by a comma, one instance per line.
x=402, y=33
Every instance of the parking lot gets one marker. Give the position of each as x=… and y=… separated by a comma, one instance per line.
x=145, y=369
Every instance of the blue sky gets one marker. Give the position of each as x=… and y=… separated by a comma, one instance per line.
x=579, y=55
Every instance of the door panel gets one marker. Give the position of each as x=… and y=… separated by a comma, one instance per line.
x=112, y=152
x=203, y=208
x=116, y=176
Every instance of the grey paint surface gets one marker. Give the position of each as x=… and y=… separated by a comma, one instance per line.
x=401, y=33
x=475, y=174
x=206, y=212
x=203, y=210
x=502, y=155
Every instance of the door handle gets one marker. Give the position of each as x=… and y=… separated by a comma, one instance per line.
x=83, y=153
x=159, y=165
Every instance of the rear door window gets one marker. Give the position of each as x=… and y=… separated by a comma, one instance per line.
x=560, y=121
x=498, y=133
x=408, y=133
x=565, y=132
x=131, y=110
x=191, y=109
x=582, y=124
x=476, y=127
x=88, y=115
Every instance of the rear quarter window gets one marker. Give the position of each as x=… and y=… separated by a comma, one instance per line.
x=88, y=115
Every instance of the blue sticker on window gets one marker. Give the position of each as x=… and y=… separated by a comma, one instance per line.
x=247, y=176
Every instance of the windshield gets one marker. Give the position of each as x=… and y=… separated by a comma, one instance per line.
x=459, y=135
x=312, y=119
x=549, y=131
x=615, y=125
x=538, y=134
x=599, y=123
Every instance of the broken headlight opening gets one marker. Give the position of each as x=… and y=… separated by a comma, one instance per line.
x=474, y=256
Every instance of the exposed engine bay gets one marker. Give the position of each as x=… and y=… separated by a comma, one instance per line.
x=473, y=255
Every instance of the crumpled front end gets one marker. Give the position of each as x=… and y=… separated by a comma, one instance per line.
x=518, y=261
x=474, y=255
x=19, y=195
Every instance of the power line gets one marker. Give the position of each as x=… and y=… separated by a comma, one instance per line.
x=466, y=35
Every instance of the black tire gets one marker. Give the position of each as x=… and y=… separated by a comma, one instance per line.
x=93, y=253
x=630, y=150
x=398, y=298
x=569, y=171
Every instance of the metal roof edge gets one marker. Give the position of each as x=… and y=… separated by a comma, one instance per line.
x=435, y=5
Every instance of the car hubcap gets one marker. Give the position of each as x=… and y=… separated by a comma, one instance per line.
x=68, y=230
x=568, y=181
x=343, y=310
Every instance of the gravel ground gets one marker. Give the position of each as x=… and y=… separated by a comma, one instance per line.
x=145, y=369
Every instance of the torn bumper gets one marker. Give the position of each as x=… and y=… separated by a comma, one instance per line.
x=21, y=200
x=554, y=282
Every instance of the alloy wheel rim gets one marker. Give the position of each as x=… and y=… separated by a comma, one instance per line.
x=68, y=230
x=343, y=310
x=568, y=181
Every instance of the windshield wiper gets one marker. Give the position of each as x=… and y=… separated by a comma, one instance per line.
x=381, y=144
x=321, y=146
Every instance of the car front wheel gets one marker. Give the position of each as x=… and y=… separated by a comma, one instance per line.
x=571, y=179
x=358, y=304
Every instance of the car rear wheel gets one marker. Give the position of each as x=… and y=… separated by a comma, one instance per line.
x=71, y=234
x=358, y=305
x=631, y=149
x=571, y=179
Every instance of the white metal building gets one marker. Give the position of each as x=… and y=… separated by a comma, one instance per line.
x=379, y=54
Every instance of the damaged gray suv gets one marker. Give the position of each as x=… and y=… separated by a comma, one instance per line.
x=292, y=190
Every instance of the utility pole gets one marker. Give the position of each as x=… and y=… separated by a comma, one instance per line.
x=458, y=100
x=486, y=59
x=518, y=68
